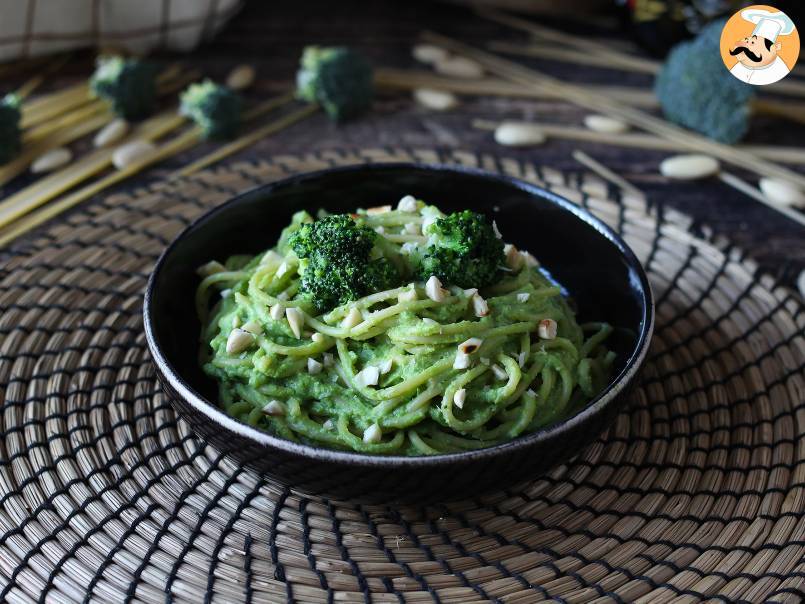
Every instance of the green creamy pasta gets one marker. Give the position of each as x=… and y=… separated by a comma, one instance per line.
x=421, y=367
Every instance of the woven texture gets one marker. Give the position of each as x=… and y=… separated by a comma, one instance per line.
x=697, y=490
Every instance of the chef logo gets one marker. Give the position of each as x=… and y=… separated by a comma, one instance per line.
x=759, y=45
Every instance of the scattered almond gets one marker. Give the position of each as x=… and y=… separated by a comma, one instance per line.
x=111, y=133
x=55, y=158
x=132, y=153
x=238, y=341
x=547, y=329
x=438, y=100
x=241, y=77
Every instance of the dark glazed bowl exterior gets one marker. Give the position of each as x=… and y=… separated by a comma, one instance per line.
x=595, y=266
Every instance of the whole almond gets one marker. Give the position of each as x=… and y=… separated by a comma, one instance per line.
x=437, y=100
x=689, y=167
x=111, y=133
x=241, y=77
x=55, y=158
x=131, y=153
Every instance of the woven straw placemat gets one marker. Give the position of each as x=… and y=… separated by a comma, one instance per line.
x=697, y=490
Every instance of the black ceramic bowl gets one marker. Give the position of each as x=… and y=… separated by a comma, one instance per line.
x=595, y=266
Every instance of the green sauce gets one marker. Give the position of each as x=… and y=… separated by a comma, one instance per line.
x=385, y=374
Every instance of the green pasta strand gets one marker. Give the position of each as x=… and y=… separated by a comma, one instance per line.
x=383, y=374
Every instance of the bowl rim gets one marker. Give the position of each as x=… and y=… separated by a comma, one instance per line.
x=615, y=387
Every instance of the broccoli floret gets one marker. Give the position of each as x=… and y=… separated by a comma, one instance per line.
x=129, y=84
x=337, y=78
x=464, y=250
x=337, y=261
x=214, y=107
x=9, y=127
x=696, y=91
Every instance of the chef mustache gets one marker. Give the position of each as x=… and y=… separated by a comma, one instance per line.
x=743, y=49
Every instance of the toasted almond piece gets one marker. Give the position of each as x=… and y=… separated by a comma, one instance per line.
x=429, y=321
x=281, y=269
x=462, y=360
x=531, y=392
x=271, y=258
x=470, y=346
x=412, y=228
x=407, y=204
x=352, y=319
x=241, y=77
x=385, y=366
x=409, y=295
x=238, y=341
x=470, y=292
x=327, y=359
x=547, y=329
x=604, y=123
x=274, y=408
x=459, y=397
x=132, y=153
x=479, y=306
x=459, y=67
x=49, y=161
x=523, y=297
x=438, y=100
x=378, y=210
x=689, y=167
x=210, y=268
x=519, y=134
x=428, y=53
x=225, y=293
x=496, y=230
x=253, y=327
x=111, y=133
x=529, y=259
x=295, y=319
x=368, y=376
x=434, y=289
x=408, y=247
x=277, y=312
x=514, y=259
x=313, y=366
x=317, y=337
x=373, y=434
x=499, y=372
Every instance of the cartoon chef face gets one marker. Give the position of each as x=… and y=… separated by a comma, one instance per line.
x=755, y=51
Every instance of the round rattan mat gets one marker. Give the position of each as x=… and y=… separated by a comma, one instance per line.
x=697, y=491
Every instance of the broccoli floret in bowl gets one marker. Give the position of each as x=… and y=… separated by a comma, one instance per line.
x=128, y=84
x=214, y=107
x=463, y=250
x=9, y=127
x=338, y=78
x=339, y=262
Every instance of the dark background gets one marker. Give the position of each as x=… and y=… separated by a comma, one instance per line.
x=271, y=35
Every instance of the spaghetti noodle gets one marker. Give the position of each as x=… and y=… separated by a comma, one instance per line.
x=420, y=369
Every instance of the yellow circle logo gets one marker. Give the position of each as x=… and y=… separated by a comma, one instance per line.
x=759, y=45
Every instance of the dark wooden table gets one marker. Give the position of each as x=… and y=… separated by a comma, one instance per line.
x=270, y=35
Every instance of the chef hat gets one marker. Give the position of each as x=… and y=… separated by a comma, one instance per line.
x=768, y=25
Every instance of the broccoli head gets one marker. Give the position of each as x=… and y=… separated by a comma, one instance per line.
x=9, y=127
x=214, y=107
x=337, y=261
x=128, y=84
x=696, y=91
x=337, y=78
x=463, y=250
